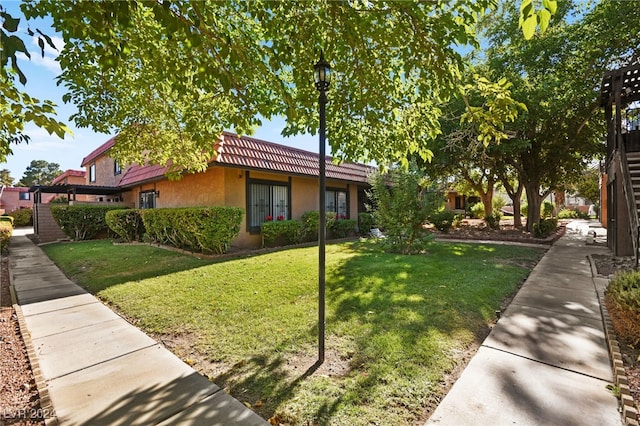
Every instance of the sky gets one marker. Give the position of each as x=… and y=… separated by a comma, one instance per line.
x=68, y=152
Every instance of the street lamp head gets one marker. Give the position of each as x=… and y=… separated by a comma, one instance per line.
x=322, y=74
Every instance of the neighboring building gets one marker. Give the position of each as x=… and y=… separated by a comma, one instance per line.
x=263, y=178
x=620, y=97
x=14, y=198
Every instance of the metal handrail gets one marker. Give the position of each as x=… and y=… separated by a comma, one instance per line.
x=629, y=195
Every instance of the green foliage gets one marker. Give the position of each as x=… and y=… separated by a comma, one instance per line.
x=498, y=203
x=443, y=219
x=623, y=297
x=310, y=225
x=589, y=186
x=60, y=200
x=567, y=214
x=530, y=19
x=457, y=221
x=405, y=200
x=203, y=229
x=493, y=220
x=23, y=217
x=5, y=177
x=82, y=222
x=281, y=232
x=545, y=228
x=547, y=209
x=40, y=172
x=524, y=209
x=342, y=228
x=5, y=235
x=7, y=218
x=126, y=224
x=365, y=223
x=477, y=210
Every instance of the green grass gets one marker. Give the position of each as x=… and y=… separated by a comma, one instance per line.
x=395, y=324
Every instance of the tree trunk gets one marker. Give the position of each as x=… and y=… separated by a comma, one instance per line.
x=487, y=201
x=534, y=203
x=515, y=200
x=560, y=200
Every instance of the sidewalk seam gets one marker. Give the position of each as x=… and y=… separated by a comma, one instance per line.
x=628, y=408
x=46, y=405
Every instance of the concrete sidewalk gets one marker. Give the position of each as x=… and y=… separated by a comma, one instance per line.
x=546, y=361
x=98, y=368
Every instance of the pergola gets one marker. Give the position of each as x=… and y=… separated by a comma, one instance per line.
x=72, y=190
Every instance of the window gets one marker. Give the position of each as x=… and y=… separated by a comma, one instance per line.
x=148, y=200
x=116, y=168
x=266, y=201
x=336, y=201
x=92, y=173
x=24, y=196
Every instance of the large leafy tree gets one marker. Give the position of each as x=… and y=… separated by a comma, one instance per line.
x=169, y=76
x=5, y=178
x=557, y=74
x=40, y=172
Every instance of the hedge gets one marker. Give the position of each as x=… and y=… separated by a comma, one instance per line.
x=623, y=303
x=23, y=217
x=342, y=228
x=126, y=224
x=365, y=223
x=5, y=235
x=82, y=222
x=281, y=232
x=202, y=229
x=6, y=218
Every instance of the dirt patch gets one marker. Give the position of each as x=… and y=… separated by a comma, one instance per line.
x=477, y=229
x=19, y=398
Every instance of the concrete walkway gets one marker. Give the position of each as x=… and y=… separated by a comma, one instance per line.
x=98, y=368
x=546, y=361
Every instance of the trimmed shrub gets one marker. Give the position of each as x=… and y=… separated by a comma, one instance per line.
x=365, y=223
x=498, y=203
x=342, y=228
x=126, y=224
x=443, y=220
x=82, y=222
x=202, y=229
x=623, y=302
x=23, y=217
x=281, y=233
x=567, y=214
x=7, y=218
x=547, y=209
x=477, y=210
x=545, y=228
x=457, y=220
x=5, y=235
x=493, y=220
x=311, y=222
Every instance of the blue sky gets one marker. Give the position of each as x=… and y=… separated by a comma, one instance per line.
x=68, y=153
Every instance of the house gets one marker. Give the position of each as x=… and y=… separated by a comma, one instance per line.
x=14, y=198
x=620, y=196
x=263, y=178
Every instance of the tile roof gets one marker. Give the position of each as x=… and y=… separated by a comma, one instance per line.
x=98, y=152
x=253, y=154
x=68, y=173
x=16, y=189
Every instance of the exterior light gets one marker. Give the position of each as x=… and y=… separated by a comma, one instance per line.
x=322, y=74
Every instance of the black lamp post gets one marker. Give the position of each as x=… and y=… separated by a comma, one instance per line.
x=322, y=77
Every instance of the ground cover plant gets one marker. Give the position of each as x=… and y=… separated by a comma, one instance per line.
x=396, y=325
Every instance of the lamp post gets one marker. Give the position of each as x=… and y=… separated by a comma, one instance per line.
x=322, y=77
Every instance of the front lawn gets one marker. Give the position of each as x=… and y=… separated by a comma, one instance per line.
x=396, y=325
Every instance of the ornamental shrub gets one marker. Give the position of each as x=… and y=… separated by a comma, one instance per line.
x=201, y=229
x=7, y=218
x=5, y=235
x=82, y=222
x=477, y=210
x=493, y=220
x=443, y=220
x=342, y=228
x=623, y=303
x=365, y=223
x=457, y=220
x=23, y=217
x=281, y=233
x=311, y=222
x=545, y=228
x=547, y=209
x=567, y=214
x=126, y=224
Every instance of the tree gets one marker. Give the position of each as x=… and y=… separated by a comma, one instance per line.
x=40, y=172
x=5, y=178
x=17, y=108
x=170, y=76
x=404, y=201
x=557, y=75
x=589, y=186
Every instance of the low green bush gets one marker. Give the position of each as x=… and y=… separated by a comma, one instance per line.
x=5, y=235
x=477, y=210
x=7, y=218
x=126, y=224
x=202, y=229
x=457, y=220
x=547, y=209
x=623, y=302
x=567, y=214
x=365, y=223
x=310, y=224
x=493, y=220
x=442, y=220
x=82, y=222
x=342, y=228
x=545, y=228
x=23, y=217
x=281, y=232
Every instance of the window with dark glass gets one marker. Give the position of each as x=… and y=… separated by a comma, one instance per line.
x=92, y=173
x=336, y=201
x=148, y=200
x=24, y=196
x=266, y=202
x=116, y=168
